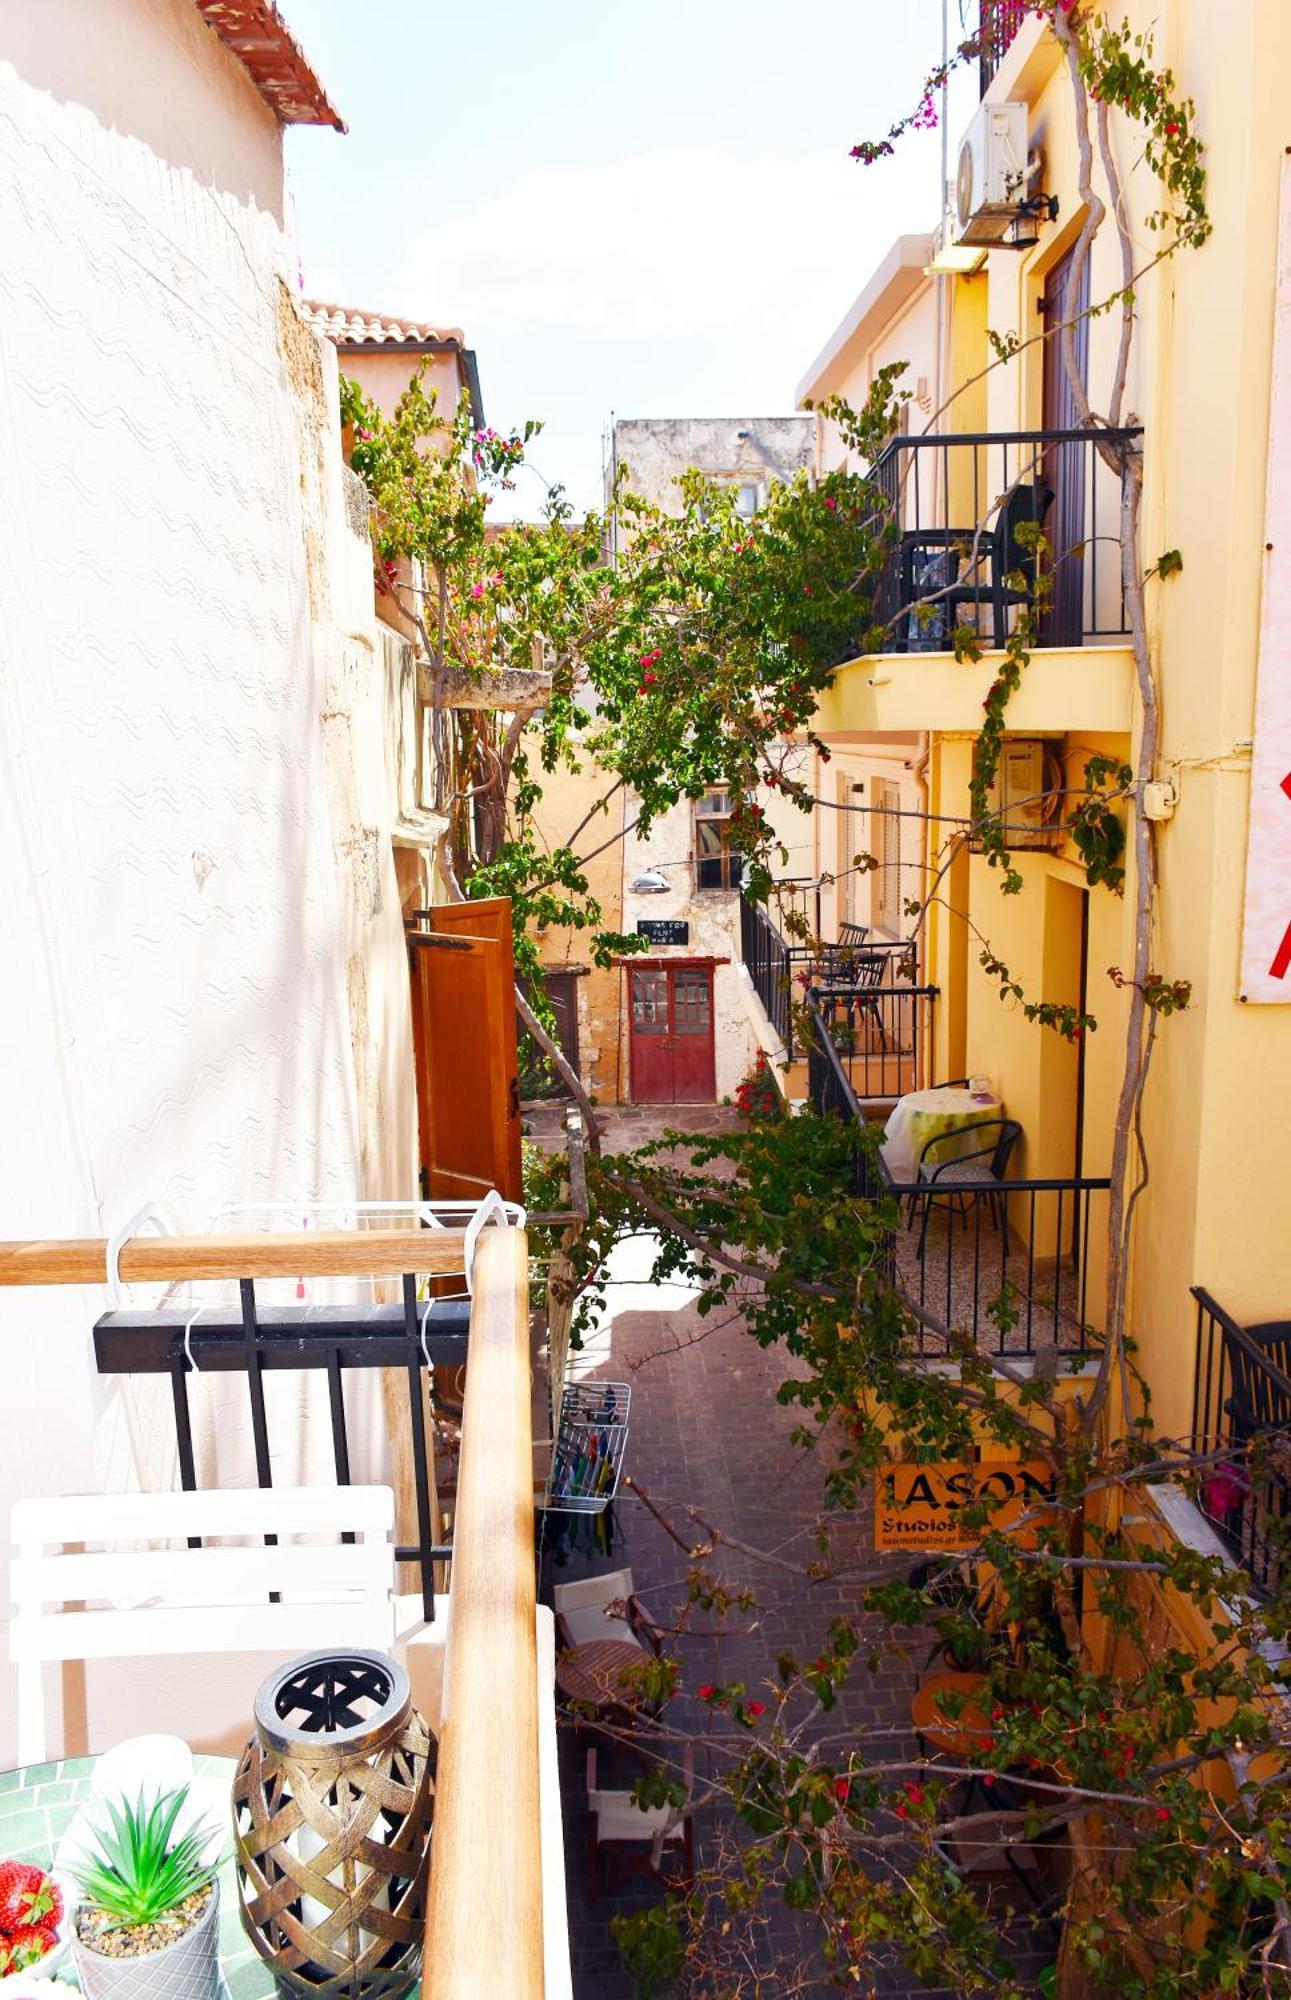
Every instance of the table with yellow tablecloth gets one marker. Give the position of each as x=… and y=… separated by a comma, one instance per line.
x=922, y=1115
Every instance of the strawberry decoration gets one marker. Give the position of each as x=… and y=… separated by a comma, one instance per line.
x=31, y=1909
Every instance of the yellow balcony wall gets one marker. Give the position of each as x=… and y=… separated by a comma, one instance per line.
x=1087, y=688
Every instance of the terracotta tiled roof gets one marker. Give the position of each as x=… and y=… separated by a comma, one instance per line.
x=349, y=327
x=274, y=60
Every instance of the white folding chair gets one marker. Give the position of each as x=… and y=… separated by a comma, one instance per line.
x=166, y=1598
x=638, y=1840
x=583, y=1612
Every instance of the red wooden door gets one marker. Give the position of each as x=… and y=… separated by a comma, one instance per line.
x=671, y=1029
x=464, y=1035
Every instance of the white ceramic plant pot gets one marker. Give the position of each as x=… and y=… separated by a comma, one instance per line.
x=189, y=1969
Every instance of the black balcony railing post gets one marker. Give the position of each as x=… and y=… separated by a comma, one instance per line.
x=1252, y=1520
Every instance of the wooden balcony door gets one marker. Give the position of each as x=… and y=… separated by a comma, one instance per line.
x=464, y=1042
x=671, y=1034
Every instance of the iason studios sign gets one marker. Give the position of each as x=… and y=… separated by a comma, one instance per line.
x=920, y=1506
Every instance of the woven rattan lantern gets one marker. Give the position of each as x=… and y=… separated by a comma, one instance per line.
x=332, y=1806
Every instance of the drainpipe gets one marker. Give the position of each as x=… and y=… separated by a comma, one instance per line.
x=919, y=772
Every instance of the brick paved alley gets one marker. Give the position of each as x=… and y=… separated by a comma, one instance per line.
x=707, y=1431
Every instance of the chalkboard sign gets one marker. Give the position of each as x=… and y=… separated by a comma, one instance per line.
x=663, y=930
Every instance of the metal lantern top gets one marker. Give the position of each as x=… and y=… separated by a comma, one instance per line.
x=327, y=1707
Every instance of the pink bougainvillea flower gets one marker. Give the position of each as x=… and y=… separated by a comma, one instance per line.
x=914, y=1793
x=1222, y=1492
x=707, y=1692
x=648, y=680
x=902, y=1812
x=831, y=503
x=477, y=590
x=755, y=1709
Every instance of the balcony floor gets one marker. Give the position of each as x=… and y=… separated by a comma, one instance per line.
x=965, y=1282
x=707, y=1432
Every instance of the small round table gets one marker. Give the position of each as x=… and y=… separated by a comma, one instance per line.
x=590, y=1673
x=962, y=1735
x=922, y=1115
x=38, y=1805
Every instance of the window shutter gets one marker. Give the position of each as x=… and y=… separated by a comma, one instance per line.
x=464, y=1034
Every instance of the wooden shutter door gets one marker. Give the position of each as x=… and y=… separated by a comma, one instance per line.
x=468, y=1086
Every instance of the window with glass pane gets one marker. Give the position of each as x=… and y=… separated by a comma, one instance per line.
x=717, y=864
x=649, y=1003
x=691, y=1003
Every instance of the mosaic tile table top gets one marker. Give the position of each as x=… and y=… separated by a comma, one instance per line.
x=37, y=1805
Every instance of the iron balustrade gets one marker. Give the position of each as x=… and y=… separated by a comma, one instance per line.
x=782, y=974
x=1242, y=1405
x=1033, y=1285
x=254, y=1340
x=962, y=508
x=831, y=1095
x=1030, y=1282
x=769, y=962
x=881, y=1034
x=998, y=22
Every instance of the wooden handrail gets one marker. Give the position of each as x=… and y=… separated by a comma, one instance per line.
x=336, y=1253
x=484, y=1925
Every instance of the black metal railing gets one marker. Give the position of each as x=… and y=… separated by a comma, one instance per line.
x=998, y=23
x=1016, y=1274
x=769, y=961
x=965, y=509
x=1242, y=1416
x=254, y=1340
x=782, y=973
x=831, y=1095
x=880, y=1032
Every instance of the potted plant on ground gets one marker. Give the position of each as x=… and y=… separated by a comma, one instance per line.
x=147, y=1922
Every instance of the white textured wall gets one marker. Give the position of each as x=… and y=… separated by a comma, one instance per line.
x=175, y=1017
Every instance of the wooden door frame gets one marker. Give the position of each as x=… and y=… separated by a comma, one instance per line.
x=686, y=963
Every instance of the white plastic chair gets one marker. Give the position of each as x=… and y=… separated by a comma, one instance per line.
x=582, y=1613
x=639, y=1841
x=170, y=1599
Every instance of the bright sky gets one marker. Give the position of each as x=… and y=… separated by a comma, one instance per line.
x=638, y=210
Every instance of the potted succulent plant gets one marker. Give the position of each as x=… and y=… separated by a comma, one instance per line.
x=147, y=1922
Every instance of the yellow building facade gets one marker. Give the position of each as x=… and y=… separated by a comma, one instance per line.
x=1201, y=385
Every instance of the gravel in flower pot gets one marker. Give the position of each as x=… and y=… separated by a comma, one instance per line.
x=147, y=1922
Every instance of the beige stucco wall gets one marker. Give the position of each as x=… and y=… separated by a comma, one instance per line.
x=760, y=450
x=845, y=827
x=568, y=796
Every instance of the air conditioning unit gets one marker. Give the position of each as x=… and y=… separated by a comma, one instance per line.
x=1028, y=793
x=991, y=184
